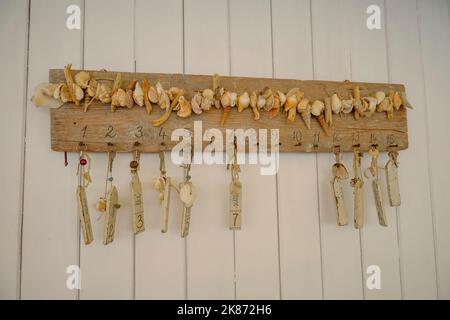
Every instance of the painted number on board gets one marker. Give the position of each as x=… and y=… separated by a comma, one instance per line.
x=110, y=132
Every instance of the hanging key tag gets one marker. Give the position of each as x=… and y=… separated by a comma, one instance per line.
x=137, y=202
x=187, y=197
x=235, y=213
x=163, y=184
x=376, y=188
x=339, y=173
x=392, y=179
x=358, y=193
x=112, y=203
x=83, y=211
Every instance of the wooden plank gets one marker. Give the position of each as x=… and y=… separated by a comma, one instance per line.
x=13, y=31
x=435, y=42
x=107, y=271
x=50, y=233
x=70, y=124
x=415, y=221
x=341, y=259
x=210, y=249
x=379, y=243
x=300, y=261
x=256, y=245
x=160, y=258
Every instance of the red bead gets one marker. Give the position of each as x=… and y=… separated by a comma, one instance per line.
x=83, y=162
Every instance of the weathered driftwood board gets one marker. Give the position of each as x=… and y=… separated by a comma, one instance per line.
x=70, y=126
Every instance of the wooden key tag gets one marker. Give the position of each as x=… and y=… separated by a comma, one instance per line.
x=339, y=173
x=376, y=188
x=83, y=210
x=358, y=193
x=392, y=179
x=112, y=205
x=137, y=202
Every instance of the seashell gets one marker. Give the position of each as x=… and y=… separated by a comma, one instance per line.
x=356, y=94
x=163, y=100
x=187, y=194
x=159, y=89
x=92, y=87
x=317, y=107
x=384, y=105
x=173, y=92
x=225, y=100
x=282, y=98
x=291, y=102
x=292, y=112
x=397, y=101
x=185, y=107
x=405, y=101
x=276, y=106
x=48, y=89
x=82, y=79
x=120, y=97
x=372, y=105
x=218, y=93
x=129, y=99
x=233, y=99
x=347, y=105
x=145, y=88
x=328, y=112
x=253, y=99
x=336, y=104
x=41, y=97
x=57, y=91
x=267, y=92
x=138, y=95
x=208, y=93
x=78, y=92
x=196, y=102
x=152, y=94
x=306, y=116
x=261, y=102
x=243, y=101
x=103, y=93
x=302, y=105
x=269, y=103
x=64, y=93
x=380, y=95
x=101, y=205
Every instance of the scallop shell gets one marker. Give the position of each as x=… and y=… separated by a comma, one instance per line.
x=269, y=103
x=41, y=98
x=185, y=108
x=103, y=93
x=347, y=105
x=82, y=79
x=92, y=87
x=380, y=95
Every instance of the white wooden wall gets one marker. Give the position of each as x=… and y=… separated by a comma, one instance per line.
x=290, y=247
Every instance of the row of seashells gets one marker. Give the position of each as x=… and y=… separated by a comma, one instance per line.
x=84, y=86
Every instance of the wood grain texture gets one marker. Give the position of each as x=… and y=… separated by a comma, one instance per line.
x=298, y=212
x=13, y=32
x=50, y=233
x=123, y=128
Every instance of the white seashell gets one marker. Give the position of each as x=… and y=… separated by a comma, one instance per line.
x=380, y=95
x=243, y=101
x=233, y=99
x=347, y=105
x=336, y=104
x=317, y=107
x=282, y=98
x=57, y=91
x=225, y=100
x=82, y=79
x=152, y=94
x=42, y=99
x=103, y=93
x=187, y=194
x=372, y=103
x=163, y=100
x=302, y=105
x=64, y=93
x=79, y=93
x=138, y=95
x=196, y=101
x=159, y=89
x=208, y=93
x=261, y=102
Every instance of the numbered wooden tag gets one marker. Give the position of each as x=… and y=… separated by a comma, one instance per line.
x=112, y=205
x=235, y=205
x=187, y=196
x=358, y=192
x=392, y=180
x=165, y=205
x=83, y=212
x=379, y=202
x=341, y=213
x=137, y=204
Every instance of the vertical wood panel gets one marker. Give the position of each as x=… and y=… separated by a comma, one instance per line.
x=160, y=258
x=297, y=180
x=379, y=244
x=13, y=32
x=341, y=258
x=107, y=271
x=415, y=223
x=210, y=252
x=435, y=42
x=50, y=234
x=256, y=245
